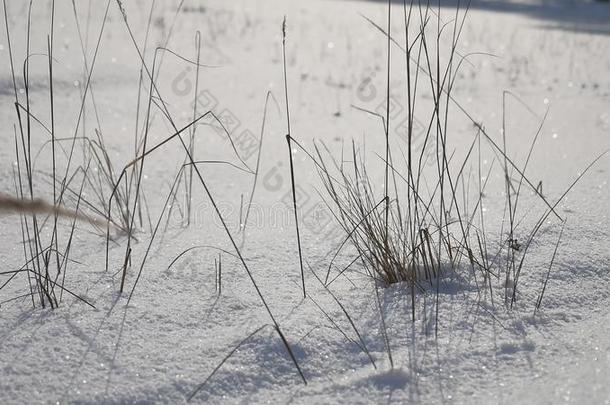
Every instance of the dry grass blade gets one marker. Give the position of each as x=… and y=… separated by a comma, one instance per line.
x=13, y=205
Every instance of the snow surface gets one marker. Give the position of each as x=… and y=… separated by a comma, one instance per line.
x=176, y=329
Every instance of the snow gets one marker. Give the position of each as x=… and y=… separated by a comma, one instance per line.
x=176, y=329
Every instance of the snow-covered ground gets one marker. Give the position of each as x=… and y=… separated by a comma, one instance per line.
x=176, y=329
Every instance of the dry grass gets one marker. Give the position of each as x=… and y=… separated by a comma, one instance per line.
x=419, y=229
